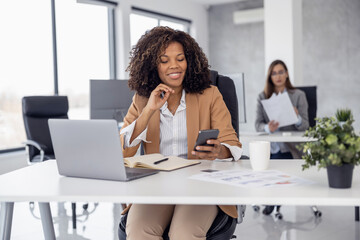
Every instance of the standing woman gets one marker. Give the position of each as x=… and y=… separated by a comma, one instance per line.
x=278, y=81
x=173, y=101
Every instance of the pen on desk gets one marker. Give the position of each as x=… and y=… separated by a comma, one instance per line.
x=162, y=160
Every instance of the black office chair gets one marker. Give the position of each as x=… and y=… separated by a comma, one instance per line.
x=223, y=226
x=311, y=97
x=227, y=88
x=36, y=112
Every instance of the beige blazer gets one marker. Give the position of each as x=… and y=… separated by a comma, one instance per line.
x=203, y=111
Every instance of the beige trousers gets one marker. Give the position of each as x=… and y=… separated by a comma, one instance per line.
x=190, y=222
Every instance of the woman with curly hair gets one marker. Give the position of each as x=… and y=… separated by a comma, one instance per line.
x=174, y=100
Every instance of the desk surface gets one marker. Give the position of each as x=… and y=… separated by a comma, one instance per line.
x=41, y=182
x=275, y=137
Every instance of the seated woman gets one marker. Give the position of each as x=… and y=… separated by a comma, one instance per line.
x=278, y=81
x=173, y=101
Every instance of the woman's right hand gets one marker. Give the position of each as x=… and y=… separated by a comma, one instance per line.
x=155, y=101
x=273, y=125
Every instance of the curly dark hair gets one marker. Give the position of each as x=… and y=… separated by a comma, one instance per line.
x=145, y=57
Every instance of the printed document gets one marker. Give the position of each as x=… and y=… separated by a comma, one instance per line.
x=279, y=108
x=250, y=179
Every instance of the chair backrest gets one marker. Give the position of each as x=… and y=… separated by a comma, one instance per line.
x=226, y=87
x=36, y=112
x=110, y=99
x=310, y=92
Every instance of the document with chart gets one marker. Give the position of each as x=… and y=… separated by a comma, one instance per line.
x=279, y=108
x=251, y=179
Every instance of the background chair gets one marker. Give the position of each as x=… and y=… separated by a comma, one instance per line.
x=310, y=92
x=226, y=87
x=36, y=112
x=223, y=226
x=311, y=97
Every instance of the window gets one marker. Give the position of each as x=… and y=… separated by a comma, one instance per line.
x=142, y=20
x=25, y=61
x=139, y=25
x=83, y=51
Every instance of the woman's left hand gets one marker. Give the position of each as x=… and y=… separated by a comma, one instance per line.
x=296, y=111
x=212, y=152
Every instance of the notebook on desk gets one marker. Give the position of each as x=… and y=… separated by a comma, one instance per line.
x=91, y=149
x=159, y=162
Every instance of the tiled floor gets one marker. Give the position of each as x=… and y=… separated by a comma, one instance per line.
x=102, y=222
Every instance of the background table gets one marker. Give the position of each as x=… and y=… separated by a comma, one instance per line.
x=275, y=137
x=295, y=136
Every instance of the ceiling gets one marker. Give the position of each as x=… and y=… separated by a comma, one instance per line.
x=215, y=2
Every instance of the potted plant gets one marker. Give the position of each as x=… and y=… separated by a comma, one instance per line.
x=337, y=148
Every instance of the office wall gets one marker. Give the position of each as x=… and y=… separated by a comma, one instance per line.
x=191, y=10
x=238, y=48
x=331, y=53
x=331, y=38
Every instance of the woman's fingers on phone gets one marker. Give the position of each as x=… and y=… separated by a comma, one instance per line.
x=205, y=148
x=215, y=142
x=205, y=155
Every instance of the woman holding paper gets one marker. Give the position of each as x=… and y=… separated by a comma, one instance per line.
x=173, y=101
x=278, y=81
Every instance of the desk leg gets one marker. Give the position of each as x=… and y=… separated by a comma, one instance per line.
x=73, y=210
x=357, y=210
x=46, y=220
x=6, y=216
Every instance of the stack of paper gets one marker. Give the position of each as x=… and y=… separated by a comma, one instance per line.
x=279, y=108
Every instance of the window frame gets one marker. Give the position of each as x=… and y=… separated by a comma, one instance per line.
x=162, y=16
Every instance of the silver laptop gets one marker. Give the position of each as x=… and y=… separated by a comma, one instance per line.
x=91, y=149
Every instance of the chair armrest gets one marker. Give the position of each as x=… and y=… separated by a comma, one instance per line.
x=38, y=146
x=241, y=213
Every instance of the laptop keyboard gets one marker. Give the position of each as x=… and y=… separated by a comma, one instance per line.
x=133, y=174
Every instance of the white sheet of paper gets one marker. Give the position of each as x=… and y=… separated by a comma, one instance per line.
x=279, y=108
x=250, y=179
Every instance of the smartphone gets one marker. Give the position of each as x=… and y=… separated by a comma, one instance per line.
x=204, y=135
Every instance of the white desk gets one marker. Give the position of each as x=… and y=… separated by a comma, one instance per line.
x=275, y=137
x=42, y=183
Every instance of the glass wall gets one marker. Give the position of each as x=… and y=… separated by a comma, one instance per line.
x=26, y=58
x=26, y=66
x=83, y=52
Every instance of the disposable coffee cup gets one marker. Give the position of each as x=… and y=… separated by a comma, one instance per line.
x=259, y=155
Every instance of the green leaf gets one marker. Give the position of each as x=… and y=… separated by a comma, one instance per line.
x=331, y=139
x=337, y=143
